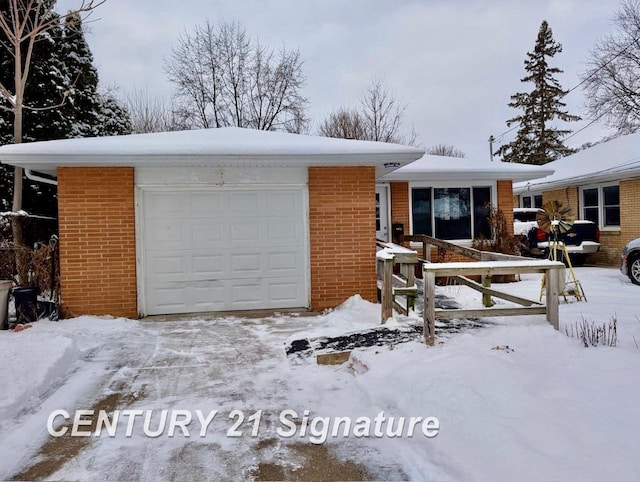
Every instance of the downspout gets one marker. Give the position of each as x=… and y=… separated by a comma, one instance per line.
x=34, y=177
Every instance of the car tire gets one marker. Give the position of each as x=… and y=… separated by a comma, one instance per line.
x=633, y=269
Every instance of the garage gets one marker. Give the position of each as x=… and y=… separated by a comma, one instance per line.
x=217, y=249
x=212, y=220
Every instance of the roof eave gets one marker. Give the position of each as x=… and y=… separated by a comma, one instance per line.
x=384, y=162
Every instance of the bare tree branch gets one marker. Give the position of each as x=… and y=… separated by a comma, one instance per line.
x=378, y=119
x=224, y=78
x=612, y=79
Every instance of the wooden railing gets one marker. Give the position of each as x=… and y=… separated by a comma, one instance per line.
x=552, y=270
x=428, y=241
x=391, y=284
x=486, y=265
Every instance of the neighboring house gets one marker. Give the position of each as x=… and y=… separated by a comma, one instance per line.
x=601, y=184
x=213, y=220
x=448, y=197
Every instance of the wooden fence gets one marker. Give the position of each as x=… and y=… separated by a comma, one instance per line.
x=487, y=265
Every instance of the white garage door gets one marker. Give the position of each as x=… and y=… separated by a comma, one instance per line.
x=216, y=250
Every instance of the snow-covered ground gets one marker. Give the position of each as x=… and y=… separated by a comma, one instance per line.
x=515, y=400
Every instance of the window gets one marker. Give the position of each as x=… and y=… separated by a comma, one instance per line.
x=377, y=211
x=601, y=204
x=531, y=201
x=451, y=212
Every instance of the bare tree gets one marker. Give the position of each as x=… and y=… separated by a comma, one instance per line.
x=445, y=150
x=343, y=123
x=382, y=113
x=378, y=118
x=23, y=23
x=152, y=114
x=612, y=79
x=225, y=78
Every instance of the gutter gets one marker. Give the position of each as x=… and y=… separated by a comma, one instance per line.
x=34, y=177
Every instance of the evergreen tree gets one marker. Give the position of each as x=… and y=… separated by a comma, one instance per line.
x=61, y=63
x=83, y=104
x=91, y=114
x=538, y=142
x=47, y=81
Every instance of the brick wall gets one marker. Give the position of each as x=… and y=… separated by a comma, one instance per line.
x=505, y=203
x=97, y=241
x=342, y=234
x=400, y=205
x=568, y=197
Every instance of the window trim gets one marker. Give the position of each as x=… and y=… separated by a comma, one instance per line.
x=493, y=185
x=532, y=195
x=601, y=213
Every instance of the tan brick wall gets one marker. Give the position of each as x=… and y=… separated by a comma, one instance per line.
x=505, y=203
x=97, y=241
x=629, y=211
x=342, y=234
x=568, y=196
x=400, y=205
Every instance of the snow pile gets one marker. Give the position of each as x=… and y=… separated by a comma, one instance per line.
x=35, y=361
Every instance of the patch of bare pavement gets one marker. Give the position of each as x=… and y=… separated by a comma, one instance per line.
x=180, y=362
x=293, y=461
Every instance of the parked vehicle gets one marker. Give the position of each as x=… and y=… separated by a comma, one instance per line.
x=581, y=240
x=630, y=261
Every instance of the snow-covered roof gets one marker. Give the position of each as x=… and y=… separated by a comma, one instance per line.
x=612, y=160
x=228, y=146
x=443, y=168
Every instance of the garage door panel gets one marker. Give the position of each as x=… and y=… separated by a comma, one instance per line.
x=247, y=293
x=169, y=266
x=284, y=292
x=204, y=204
x=283, y=203
x=208, y=265
x=225, y=250
x=169, y=299
x=161, y=205
x=243, y=263
x=247, y=231
x=165, y=232
x=206, y=235
x=244, y=202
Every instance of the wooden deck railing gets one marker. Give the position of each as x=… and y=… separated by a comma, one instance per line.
x=391, y=284
x=553, y=270
x=486, y=265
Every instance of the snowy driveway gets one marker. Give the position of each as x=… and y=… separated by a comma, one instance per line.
x=226, y=364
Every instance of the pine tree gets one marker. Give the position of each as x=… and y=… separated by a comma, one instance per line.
x=83, y=104
x=538, y=142
x=46, y=84
x=62, y=63
x=91, y=113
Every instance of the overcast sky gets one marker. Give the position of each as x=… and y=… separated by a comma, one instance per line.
x=455, y=63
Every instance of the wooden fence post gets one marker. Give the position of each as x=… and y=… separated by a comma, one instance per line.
x=429, y=330
x=553, y=279
x=486, y=298
x=387, y=289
